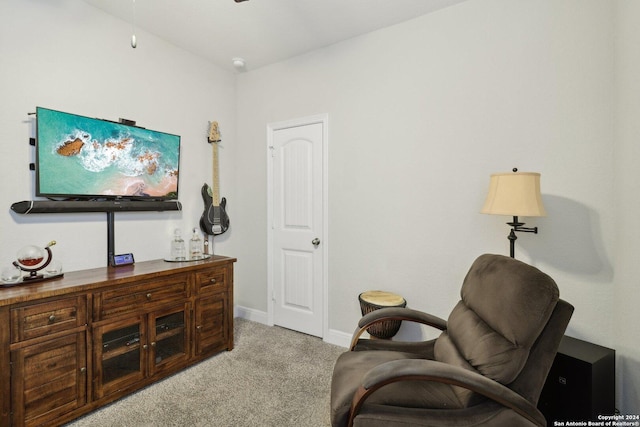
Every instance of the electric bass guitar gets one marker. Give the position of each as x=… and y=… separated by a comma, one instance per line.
x=214, y=219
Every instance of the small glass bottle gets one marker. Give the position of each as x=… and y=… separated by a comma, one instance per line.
x=195, y=245
x=178, y=250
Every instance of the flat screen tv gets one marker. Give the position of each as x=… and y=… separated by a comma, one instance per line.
x=84, y=158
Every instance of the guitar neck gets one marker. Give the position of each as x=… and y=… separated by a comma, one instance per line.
x=215, y=188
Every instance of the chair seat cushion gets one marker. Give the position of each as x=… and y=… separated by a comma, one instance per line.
x=350, y=370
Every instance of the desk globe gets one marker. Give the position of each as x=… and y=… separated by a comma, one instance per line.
x=33, y=259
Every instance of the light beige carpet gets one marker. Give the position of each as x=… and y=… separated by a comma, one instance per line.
x=273, y=377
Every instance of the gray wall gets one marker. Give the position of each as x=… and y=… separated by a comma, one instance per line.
x=420, y=114
x=70, y=56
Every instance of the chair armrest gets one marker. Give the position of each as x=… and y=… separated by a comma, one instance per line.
x=396, y=313
x=434, y=371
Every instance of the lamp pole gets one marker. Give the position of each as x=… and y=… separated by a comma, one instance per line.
x=517, y=226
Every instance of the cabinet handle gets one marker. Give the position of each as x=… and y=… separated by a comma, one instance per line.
x=52, y=318
x=153, y=344
x=199, y=327
x=213, y=280
x=149, y=296
x=144, y=346
x=83, y=370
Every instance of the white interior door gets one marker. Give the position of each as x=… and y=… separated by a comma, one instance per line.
x=298, y=229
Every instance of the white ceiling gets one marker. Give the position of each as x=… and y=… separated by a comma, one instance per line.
x=261, y=31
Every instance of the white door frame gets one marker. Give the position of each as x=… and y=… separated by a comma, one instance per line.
x=271, y=128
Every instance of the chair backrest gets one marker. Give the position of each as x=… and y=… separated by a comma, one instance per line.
x=496, y=328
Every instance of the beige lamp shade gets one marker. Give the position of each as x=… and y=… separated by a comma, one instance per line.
x=514, y=194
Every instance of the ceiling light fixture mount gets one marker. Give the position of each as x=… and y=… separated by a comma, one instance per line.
x=239, y=63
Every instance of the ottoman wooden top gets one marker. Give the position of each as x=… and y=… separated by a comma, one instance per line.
x=382, y=298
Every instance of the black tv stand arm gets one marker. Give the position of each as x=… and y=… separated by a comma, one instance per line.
x=111, y=241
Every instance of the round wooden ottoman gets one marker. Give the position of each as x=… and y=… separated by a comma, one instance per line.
x=374, y=300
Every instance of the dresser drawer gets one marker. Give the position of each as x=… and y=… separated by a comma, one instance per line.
x=36, y=320
x=211, y=280
x=140, y=297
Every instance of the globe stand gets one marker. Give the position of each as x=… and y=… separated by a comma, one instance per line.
x=32, y=276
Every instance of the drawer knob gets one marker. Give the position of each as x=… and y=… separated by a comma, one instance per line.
x=213, y=280
x=148, y=296
x=83, y=370
x=153, y=344
x=144, y=346
x=199, y=327
x=52, y=318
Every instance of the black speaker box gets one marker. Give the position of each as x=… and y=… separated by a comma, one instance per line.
x=64, y=206
x=581, y=383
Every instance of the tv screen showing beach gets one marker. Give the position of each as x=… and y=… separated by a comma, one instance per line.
x=81, y=157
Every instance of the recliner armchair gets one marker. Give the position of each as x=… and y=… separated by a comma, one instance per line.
x=486, y=368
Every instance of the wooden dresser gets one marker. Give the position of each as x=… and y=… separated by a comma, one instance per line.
x=73, y=344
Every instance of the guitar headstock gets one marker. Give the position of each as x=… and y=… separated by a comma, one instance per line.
x=214, y=132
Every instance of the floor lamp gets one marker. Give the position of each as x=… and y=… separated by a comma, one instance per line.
x=515, y=194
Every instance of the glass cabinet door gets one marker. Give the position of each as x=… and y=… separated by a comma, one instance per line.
x=120, y=355
x=169, y=338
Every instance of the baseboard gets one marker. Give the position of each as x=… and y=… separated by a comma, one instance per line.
x=250, y=314
x=338, y=338
x=334, y=337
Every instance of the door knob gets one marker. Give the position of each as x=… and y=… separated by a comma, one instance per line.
x=315, y=241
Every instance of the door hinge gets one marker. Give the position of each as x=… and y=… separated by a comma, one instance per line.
x=273, y=150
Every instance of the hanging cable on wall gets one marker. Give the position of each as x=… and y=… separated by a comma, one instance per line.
x=134, y=42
